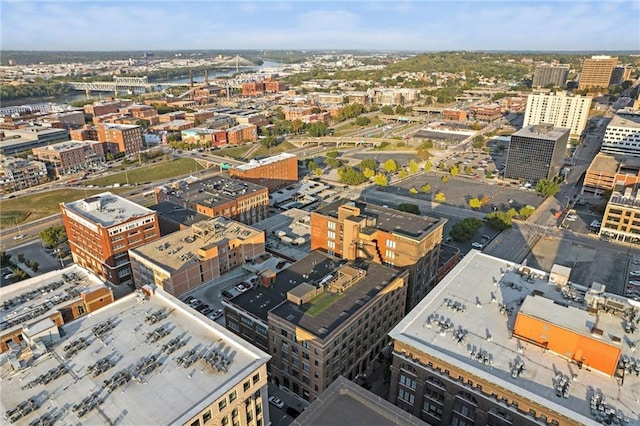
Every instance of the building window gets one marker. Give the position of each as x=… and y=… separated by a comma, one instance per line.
x=232, y=396
x=331, y=235
x=331, y=225
x=222, y=404
x=391, y=244
x=331, y=245
x=206, y=416
x=246, y=385
x=256, y=378
x=408, y=381
x=196, y=422
x=406, y=396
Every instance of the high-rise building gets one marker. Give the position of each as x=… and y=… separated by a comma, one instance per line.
x=596, y=72
x=498, y=343
x=623, y=208
x=355, y=230
x=101, y=230
x=620, y=73
x=622, y=136
x=536, y=152
x=128, y=137
x=184, y=260
x=550, y=75
x=559, y=109
x=145, y=360
x=273, y=172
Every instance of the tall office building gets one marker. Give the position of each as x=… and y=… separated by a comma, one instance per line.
x=559, y=109
x=550, y=75
x=101, y=230
x=622, y=136
x=596, y=72
x=497, y=343
x=355, y=230
x=536, y=152
x=620, y=73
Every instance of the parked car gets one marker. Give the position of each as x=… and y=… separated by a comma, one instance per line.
x=634, y=282
x=240, y=288
x=215, y=315
x=275, y=401
x=188, y=299
x=477, y=245
x=292, y=412
x=634, y=273
x=207, y=310
x=202, y=307
x=19, y=237
x=227, y=294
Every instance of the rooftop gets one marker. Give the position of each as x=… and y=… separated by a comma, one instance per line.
x=542, y=131
x=149, y=360
x=252, y=164
x=106, y=209
x=67, y=146
x=178, y=213
x=482, y=296
x=210, y=192
x=389, y=220
x=310, y=269
x=36, y=298
x=114, y=126
x=626, y=121
x=628, y=196
x=345, y=403
x=292, y=223
x=177, y=249
x=329, y=310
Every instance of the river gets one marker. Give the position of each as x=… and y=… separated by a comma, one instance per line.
x=79, y=96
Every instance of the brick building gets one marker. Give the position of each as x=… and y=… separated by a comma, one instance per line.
x=128, y=137
x=486, y=112
x=242, y=133
x=18, y=173
x=273, y=86
x=354, y=230
x=605, y=171
x=73, y=156
x=596, y=72
x=87, y=133
x=253, y=88
x=454, y=114
x=184, y=260
x=102, y=228
x=273, y=172
x=107, y=107
x=204, y=137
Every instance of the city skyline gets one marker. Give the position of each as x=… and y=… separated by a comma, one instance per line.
x=373, y=25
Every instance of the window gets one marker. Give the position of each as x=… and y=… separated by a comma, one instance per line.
x=246, y=385
x=222, y=404
x=232, y=396
x=406, y=396
x=196, y=423
x=256, y=378
x=206, y=416
x=331, y=225
x=408, y=381
x=331, y=245
x=331, y=235
x=391, y=244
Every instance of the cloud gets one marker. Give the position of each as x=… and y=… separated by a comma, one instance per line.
x=328, y=19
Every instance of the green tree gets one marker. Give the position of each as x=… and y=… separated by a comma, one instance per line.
x=476, y=126
x=454, y=170
x=409, y=208
x=439, y=197
x=333, y=163
x=425, y=188
x=413, y=167
x=5, y=259
x=442, y=166
x=362, y=121
x=297, y=125
x=351, y=176
x=19, y=274
x=368, y=163
x=403, y=174
x=478, y=141
x=269, y=141
x=311, y=165
x=332, y=154
x=390, y=166
x=465, y=229
x=387, y=110
x=468, y=170
x=21, y=257
x=381, y=180
x=501, y=220
x=318, y=171
x=53, y=236
x=475, y=203
x=400, y=109
x=526, y=211
x=547, y=187
x=317, y=129
x=428, y=166
x=368, y=173
x=444, y=179
x=413, y=190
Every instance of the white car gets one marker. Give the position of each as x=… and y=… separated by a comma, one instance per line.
x=240, y=288
x=477, y=245
x=634, y=274
x=275, y=401
x=634, y=282
x=19, y=237
x=571, y=219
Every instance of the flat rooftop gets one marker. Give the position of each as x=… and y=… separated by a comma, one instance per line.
x=292, y=223
x=116, y=126
x=260, y=300
x=178, y=213
x=67, y=146
x=323, y=322
x=210, y=192
x=252, y=164
x=390, y=220
x=107, y=209
x=604, y=163
x=483, y=295
x=626, y=121
x=166, y=393
x=35, y=298
x=177, y=249
x=345, y=403
x=540, y=131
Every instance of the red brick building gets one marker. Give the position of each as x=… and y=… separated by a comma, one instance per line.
x=128, y=137
x=101, y=230
x=87, y=133
x=254, y=88
x=487, y=112
x=454, y=115
x=242, y=133
x=272, y=172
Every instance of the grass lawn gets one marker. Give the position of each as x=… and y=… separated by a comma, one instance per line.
x=36, y=206
x=393, y=146
x=265, y=152
x=154, y=172
x=235, y=152
x=321, y=302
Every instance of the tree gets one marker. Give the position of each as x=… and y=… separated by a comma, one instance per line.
x=413, y=190
x=389, y=166
x=53, y=236
x=387, y=110
x=400, y=109
x=269, y=141
x=409, y=208
x=428, y=166
x=332, y=154
x=368, y=163
x=547, y=187
x=19, y=274
x=442, y=166
x=478, y=141
x=476, y=126
x=465, y=229
x=381, y=180
x=318, y=171
x=403, y=174
x=475, y=203
x=501, y=220
x=368, y=173
x=454, y=170
x=425, y=188
x=317, y=129
x=311, y=165
x=351, y=176
x=468, y=170
x=413, y=167
x=21, y=257
x=5, y=259
x=333, y=162
x=526, y=211
x=296, y=125
x=444, y=179
x=439, y=197
x=362, y=121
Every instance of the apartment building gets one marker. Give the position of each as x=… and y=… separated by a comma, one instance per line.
x=46, y=301
x=26, y=138
x=486, y=112
x=146, y=359
x=621, y=220
x=596, y=72
x=18, y=173
x=65, y=120
x=273, y=172
x=128, y=137
x=454, y=114
x=253, y=88
x=497, y=343
x=184, y=260
x=204, y=137
x=73, y=156
x=622, y=136
x=293, y=113
x=536, y=152
x=559, y=109
x=554, y=75
x=273, y=86
x=330, y=98
x=605, y=171
x=619, y=74
x=86, y=133
x=102, y=228
x=218, y=196
x=242, y=133
x=354, y=230
x=171, y=116
x=107, y=107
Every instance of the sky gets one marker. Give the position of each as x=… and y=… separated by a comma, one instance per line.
x=419, y=25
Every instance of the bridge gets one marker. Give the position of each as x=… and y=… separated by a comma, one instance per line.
x=338, y=141
x=120, y=84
